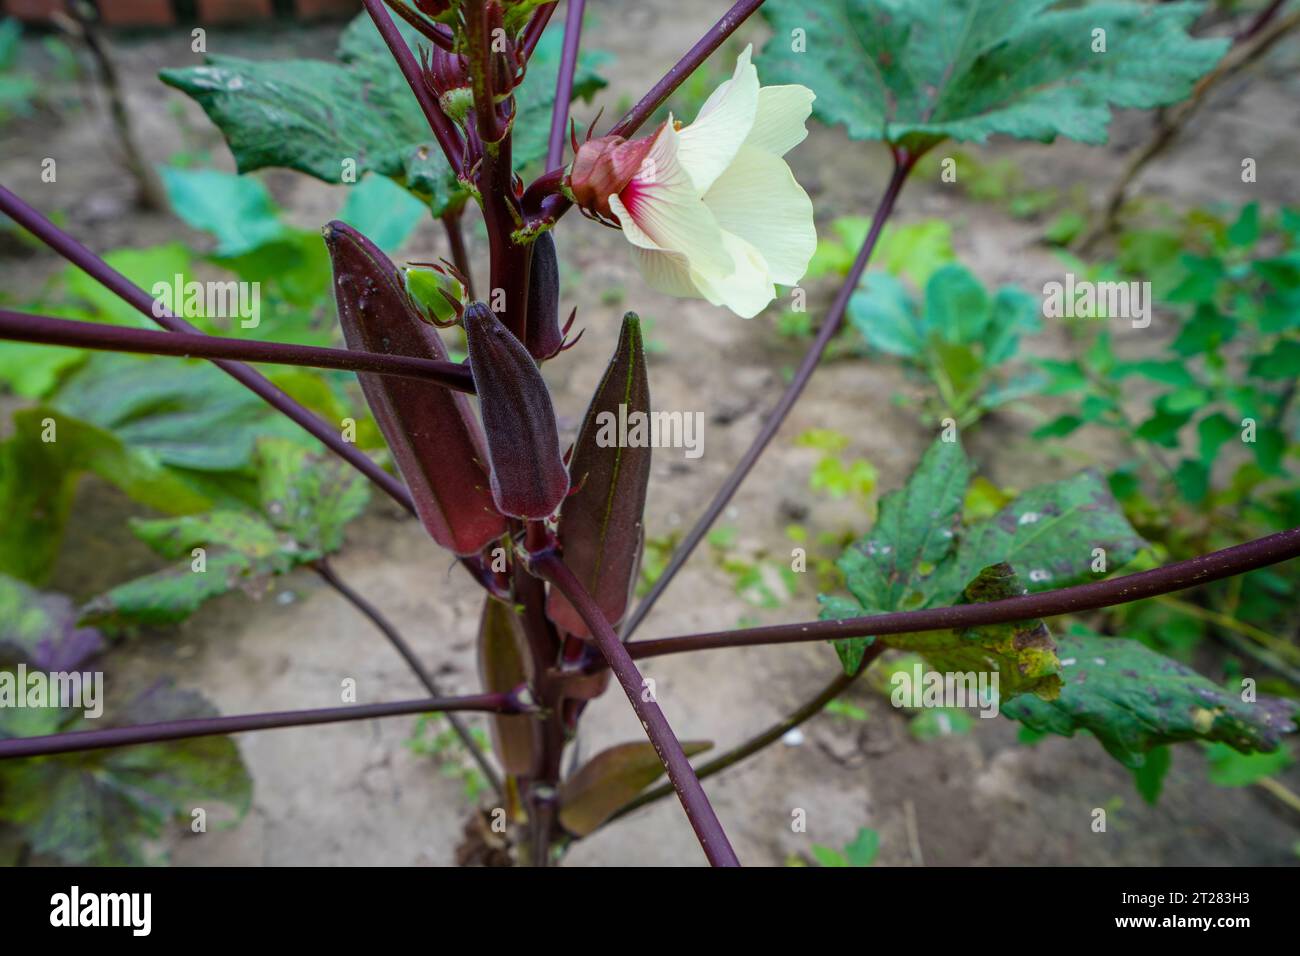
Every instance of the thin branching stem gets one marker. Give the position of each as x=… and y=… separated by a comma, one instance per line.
x=536, y=27
x=903, y=164
x=403, y=647
x=564, y=82
x=1194, y=572
x=47, y=330
x=701, y=51
x=717, y=848
x=435, y=33
x=99, y=270
x=444, y=130
x=762, y=740
x=83, y=740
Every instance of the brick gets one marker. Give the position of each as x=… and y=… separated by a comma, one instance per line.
x=136, y=13
x=234, y=11
x=326, y=9
x=32, y=10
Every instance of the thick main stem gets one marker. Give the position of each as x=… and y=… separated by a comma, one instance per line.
x=82, y=740
x=47, y=330
x=385, y=627
x=1194, y=572
x=133, y=295
x=903, y=164
x=717, y=848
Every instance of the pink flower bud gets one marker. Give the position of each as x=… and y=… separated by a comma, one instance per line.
x=603, y=167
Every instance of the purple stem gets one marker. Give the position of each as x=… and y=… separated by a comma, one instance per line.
x=23, y=327
x=536, y=27
x=694, y=800
x=434, y=32
x=115, y=282
x=564, y=82
x=407, y=652
x=903, y=164
x=718, y=33
x=439, y=122
x=1229, y=562
x=83, y=740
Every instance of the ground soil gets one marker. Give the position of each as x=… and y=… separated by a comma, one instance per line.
x=354, y=794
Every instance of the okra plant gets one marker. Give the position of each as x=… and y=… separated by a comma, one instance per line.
x=467, y=103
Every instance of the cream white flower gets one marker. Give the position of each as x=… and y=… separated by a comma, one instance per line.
x=712, y=210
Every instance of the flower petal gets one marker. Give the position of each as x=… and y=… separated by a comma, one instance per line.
x=666, y=272
x=747, y=288
x=709, y=144
x=758, y=198
x=779, y=123
x=660, y=209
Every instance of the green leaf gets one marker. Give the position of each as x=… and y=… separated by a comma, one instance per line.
x=313, y=115
x=888, y=569
x=1228, y=768
x=862, y=851
x=100, y=807
x=915, y=72
x=306, y=499
x=311, y=497
x=1283, y=362
x=1134, y=700
x=188, y=414
x=143, y=267
x=237, y=210
x=1150, y=777
x=1049, y=535
x=957, y=309
x=384, y=212
x=882, y=311
x=39, y=467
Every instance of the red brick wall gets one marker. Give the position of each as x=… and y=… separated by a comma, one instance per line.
x=154, y=13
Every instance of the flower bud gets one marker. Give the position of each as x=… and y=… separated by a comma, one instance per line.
x=447, y=75
x=602, y=168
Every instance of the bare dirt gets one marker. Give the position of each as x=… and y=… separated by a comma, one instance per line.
x=354, y=794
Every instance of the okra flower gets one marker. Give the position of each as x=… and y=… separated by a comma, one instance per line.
x=711, y=209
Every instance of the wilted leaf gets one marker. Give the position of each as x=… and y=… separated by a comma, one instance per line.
x=502, y=666
x=610, y=779
x=1021, y=653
